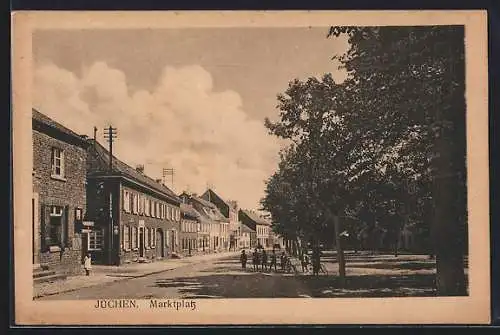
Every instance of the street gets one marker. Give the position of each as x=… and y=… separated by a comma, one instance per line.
x=367, y=276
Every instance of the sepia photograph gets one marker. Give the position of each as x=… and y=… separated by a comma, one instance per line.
x=265, y=160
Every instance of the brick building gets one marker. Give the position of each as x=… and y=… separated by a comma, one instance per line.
x=136, y=218
x=229, y=209
x=59, y=201
x=261, y=226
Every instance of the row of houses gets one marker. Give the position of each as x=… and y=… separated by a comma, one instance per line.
x=87, y=201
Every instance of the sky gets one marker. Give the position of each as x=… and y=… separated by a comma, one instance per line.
x=189, y=99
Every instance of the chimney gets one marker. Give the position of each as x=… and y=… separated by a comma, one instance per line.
x=159, y=181
x=140, y=168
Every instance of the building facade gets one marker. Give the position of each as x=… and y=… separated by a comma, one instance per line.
x=133, y=217
x=190, y=224
x=58, y=201
x=229, y=209
x=246, y=236
x=261, y=226
x=211, y=217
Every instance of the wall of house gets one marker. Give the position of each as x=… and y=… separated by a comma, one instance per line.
x=189, y=236
x=135, y=222
x=244, y=241
x=67, y=192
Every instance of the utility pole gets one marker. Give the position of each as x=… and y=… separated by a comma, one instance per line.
x=110, y=135
x=95, y=133
x=168, y=172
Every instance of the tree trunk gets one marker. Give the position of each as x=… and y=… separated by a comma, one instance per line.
x=340, y=251
x=396, y=242
x=447, y=239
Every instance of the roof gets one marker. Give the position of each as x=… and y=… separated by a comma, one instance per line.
x=255, y=217
x=210, y=191
x=45, y=120
x=204, y=202
x=232, y=204
x=102, y=154
x=188, y=210
x=217, y=214
x=246, y=229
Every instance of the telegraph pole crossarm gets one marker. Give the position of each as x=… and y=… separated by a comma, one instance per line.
x=110, y=134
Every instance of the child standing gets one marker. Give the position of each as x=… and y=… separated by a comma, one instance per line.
x=87, y=264
x=243, y=259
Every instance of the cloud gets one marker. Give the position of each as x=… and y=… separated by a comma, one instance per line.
x=182, y=123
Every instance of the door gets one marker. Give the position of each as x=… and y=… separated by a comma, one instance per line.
x=159, y=243
x=172, y=241
x=85, y=245
x=141, y=242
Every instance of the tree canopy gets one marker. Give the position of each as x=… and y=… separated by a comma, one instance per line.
x=373, y=146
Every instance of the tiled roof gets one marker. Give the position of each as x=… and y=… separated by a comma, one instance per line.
x=189, y=211
x=204, y=202
x=210, y=191
x=218, y=215
x=124, y=169
x=256, y=217
x=44, y=119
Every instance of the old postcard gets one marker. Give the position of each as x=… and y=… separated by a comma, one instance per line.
x=189, y=168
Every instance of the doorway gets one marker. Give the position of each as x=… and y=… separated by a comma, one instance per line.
x=160, y=244
x=141, y=242
x=172, y=241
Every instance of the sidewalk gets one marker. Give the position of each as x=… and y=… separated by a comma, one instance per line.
x=102, y=274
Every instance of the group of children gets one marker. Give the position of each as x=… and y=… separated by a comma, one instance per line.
x=262, y=261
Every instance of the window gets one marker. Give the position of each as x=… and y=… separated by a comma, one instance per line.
x=54, y=229
x=57, y=163
x=158, y=210
x=141, y=204
x=153, y=238
x=147, y=203
x=126, y=237
x=135, y=202
x=95, y=240
x=126, y=201
x=153, y=209
x=134, y=237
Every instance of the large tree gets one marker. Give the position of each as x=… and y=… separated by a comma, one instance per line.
x=406, y=83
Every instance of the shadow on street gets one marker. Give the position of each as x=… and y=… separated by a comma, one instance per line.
x=272, y=285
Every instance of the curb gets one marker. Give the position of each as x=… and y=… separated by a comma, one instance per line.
x=116, y=280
